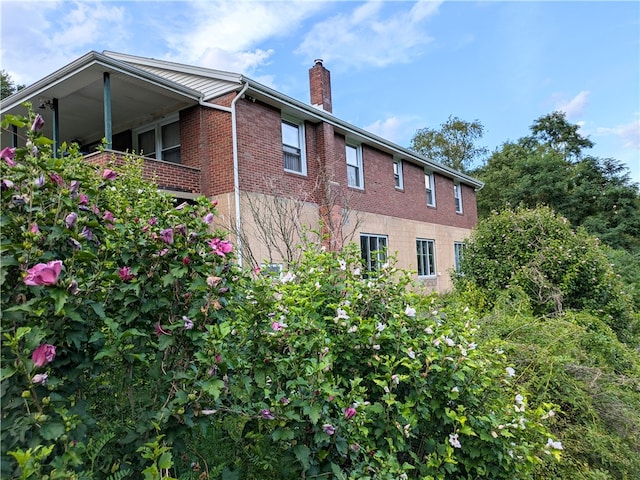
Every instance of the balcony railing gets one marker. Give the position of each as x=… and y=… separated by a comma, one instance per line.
x=167, y=175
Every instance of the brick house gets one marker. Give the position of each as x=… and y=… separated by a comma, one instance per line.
x=274, y=163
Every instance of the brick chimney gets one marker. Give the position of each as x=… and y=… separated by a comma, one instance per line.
x=320, y=83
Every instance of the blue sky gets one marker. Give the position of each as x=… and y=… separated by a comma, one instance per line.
x=396, y=66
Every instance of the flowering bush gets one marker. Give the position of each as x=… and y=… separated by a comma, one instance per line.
x=133, y=345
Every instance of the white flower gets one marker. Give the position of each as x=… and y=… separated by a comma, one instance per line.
x=472, y=346
x=453, y=440
x=376, y=347
x=318, y=285
x=436, y=342
x=343, y=264
x=356, y=272
x=288, y=277
x=410, y=312
x=455, y=389
x=449, y=342
x=208, y=412
x=428, y=330
x=510, y=371
x=380, y=326
x=411, y=353
x=353, y=329
x=342, y=314
x=395, y=379
x=555, y=445
x=519, y=399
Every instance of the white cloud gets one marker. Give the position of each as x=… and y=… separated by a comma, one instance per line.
x=575, y=106
x=629, y=133
x=223, y=35
x=370, y=34
x=392, y=128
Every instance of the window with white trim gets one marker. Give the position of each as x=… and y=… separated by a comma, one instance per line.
x=293, y=147
x=160, y=140
x=354, y=166
x=429, y=187
x=425, y=250
x=457, y=195
x=397, y=174
x=373, y=249
x=458, y=249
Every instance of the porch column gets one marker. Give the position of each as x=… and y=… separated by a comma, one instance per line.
x=108, y=133
x=56, y=128
x=14, y=136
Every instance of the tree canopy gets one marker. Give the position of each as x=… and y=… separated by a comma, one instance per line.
x=7, y=85
x=453, y=144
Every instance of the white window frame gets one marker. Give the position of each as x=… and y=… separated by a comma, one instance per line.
x=376, y=257
x=157, y=129
x=457, y=196
x=431, y=190
x=426, y=259
x=458, y=250
x=397, y=174
x=300, y=147
x=357, y=166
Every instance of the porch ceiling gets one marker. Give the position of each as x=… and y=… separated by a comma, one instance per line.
x=134, y=102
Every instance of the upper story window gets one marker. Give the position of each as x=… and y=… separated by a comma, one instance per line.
x=373, y=249
x=425, y=250
x=430, y=189
x=354, y=166
x=397, y=173
x=457, y=195
x=160, y=140
x=293, y=147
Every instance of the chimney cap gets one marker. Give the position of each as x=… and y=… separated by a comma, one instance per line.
x=317, y=61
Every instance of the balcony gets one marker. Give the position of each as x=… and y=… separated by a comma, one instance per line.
x=168, y=176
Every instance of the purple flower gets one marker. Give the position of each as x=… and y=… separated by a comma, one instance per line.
x=160, y=330
x=73, y=187
x=73, y=288
x=220, y=247
x=75, y=244
x=350, y=413
x=109, y=174
x=71, y=220
x=7, y=184
x=208, y=218
x=87, y=233
x=108, y=216
x=266, y=414
x=153, y=221
x=8, y=154
x=44, y=273
x=328, y=429
x=167, y=235
x=40, y=378
x=181, y=229
x=284, y=401
x=39, y=182
x=188, y=324
x=125, y=274
x=37, y=124
x=83, y=199
x=44, y=354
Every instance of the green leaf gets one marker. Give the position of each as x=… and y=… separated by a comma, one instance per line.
x=98, y=308
x=302, y=453
x=52, y=431
x=6, y=372
x=314, y=411
x=165, y=461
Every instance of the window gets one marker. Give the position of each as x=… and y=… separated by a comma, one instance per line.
x=426, y=257
x=293, y=147
x=429, y=187
x=160, y=140
x=397, y=173
x=354, y=166
x=457, y=195
x=458, y=248
x=373, y=249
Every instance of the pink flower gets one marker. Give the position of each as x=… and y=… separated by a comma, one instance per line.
x=167, y=235
x=278, y=327
x=55, y=178
x=188, y=324
x=328, y=429
x=8, y=154
x=153, y=221
x=108, y=216
x=220, y=247
x=34, y=228
x=109, y=174
x=160, y=330
x=125, y=274
x=218, y=358
x=163, y=252
x=284, y=401
x=40, y=378
x=44, y=354
x=186, y=260
x=37, y=124
x=83, y=199
x=44, y=273
x=350, y=413
x=208, y=218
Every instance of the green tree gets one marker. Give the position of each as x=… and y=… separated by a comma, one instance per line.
x=453, y=144
x=7, y=85
x=561, y=136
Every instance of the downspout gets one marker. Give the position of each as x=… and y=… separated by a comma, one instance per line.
x=236, y=175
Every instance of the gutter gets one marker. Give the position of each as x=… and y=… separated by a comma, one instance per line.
x=236, y=177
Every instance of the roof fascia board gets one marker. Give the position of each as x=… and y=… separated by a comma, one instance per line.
x=323, y=116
